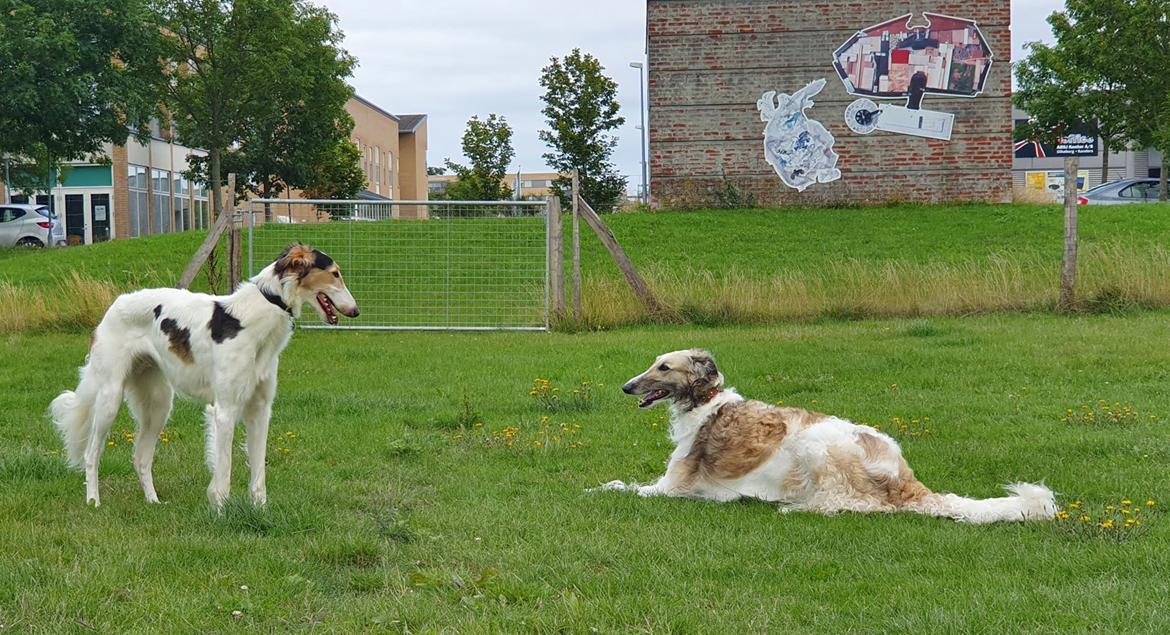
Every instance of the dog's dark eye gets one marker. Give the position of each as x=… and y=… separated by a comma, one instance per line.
x=336, y=275
x=664, y=368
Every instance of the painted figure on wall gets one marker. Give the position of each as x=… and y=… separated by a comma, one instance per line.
x=798, y=148
x=948, y=56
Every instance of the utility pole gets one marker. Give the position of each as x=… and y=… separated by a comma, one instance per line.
x=642, y=128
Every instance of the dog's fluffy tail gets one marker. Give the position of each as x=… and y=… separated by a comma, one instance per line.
x=1026, y=501
x=70, y=412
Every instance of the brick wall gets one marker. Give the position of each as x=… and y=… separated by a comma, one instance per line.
x=710, y=60
x=119, y=164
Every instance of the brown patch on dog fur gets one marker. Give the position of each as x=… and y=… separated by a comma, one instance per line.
x=92, y=339
x=740, y=437
x=896, y=491
x=180, y=340
x=298, y=259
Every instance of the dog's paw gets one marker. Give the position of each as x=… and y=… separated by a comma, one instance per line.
x=612, y=486
x=647, y=490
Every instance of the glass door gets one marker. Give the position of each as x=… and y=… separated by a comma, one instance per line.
x=99, y=207
x=75, y=219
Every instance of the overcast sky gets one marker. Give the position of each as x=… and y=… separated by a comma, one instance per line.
x=452, y=59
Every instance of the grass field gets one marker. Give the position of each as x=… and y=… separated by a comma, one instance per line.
x=408, y=492
x=739, y=266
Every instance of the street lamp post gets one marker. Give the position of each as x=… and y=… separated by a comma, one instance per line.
x=642, y=128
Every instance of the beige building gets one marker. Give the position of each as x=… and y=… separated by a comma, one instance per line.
x=531, y=184
x=142, y=190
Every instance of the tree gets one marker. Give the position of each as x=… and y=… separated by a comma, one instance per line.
x=436, y=170
x=77, y=74
x=580, y=109
x=337, y=174
x=300, y=120
x=1078, y=82
x=1145, y=85
x=487, y=144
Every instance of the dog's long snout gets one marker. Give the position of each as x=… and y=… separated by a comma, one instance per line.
x=354, y=313
x=629, y=387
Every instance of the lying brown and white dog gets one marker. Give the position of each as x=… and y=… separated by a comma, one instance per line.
x=728, y=447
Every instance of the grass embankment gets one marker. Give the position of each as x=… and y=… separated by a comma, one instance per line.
x=417, y=486
x=719, y=267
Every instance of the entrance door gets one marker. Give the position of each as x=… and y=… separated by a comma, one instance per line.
x=99, y=207
x=75, y=219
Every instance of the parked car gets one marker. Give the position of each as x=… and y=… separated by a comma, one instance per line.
x=24, y=225
x=1121, y=192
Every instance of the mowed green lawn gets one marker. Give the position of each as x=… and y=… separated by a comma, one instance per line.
x=392, y=511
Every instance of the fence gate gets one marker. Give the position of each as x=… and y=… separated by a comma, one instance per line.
x=425, y=265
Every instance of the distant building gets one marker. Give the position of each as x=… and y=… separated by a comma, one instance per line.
x=1034, y=173
x=531, y=184
x=142, y=189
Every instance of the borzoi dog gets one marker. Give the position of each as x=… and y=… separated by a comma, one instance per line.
x=728, y=447
x=222, y=350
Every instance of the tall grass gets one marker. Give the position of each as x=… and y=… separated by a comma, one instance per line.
x=1111, y=277
x=76, y=303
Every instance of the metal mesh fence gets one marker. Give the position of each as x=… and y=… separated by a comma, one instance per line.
x=419, y=264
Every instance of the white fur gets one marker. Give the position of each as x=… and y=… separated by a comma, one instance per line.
x=235, y=377
x=805, y=452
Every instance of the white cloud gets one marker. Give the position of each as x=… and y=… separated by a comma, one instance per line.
x=453, y=59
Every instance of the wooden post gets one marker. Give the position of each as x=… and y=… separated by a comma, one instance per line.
x=1068, y=265
x=204, y=251
x=235, y=240
x=556, y=256
x=223, y=222
x=576, y=247
x=637, y=283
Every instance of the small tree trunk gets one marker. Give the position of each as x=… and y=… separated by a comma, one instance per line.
x=1104, y=159
x=1068, y=265
x=1162, y=194
x=213, y=166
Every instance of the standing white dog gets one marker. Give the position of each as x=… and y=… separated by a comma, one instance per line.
x=222, y=350
x=728, y=447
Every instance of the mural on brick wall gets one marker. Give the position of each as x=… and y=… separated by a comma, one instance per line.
x=798, y=148
x=948, y=56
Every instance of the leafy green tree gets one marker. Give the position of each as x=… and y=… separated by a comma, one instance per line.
x=300, y=120
x=487, y=144
x=580, y=109
x=436, y=170
x=76, y=74
x=1078, y=81
x=337, y=174
x=1145, y=24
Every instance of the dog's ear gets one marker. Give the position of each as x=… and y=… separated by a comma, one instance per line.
x=297, y=260
x=704, y=373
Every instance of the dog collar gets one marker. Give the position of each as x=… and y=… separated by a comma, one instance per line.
x=276, y=300
x=711, y=394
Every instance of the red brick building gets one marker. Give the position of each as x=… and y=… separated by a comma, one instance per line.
x=711, y=60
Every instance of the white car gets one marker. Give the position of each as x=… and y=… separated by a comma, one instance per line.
x=24, y=225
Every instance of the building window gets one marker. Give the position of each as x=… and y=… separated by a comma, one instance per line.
x=161, y=199
x=377, y=167
x=182, y=203
x=139, y=222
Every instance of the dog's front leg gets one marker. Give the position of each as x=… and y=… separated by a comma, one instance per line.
x=221, y=428
x=256, y=418
x=679, y=479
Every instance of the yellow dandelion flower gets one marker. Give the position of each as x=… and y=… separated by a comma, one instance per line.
x=1150, y=503
x=1074, y=505
x=1126, y=502
x=1084, y=518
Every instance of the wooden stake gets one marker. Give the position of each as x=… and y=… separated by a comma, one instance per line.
x=637, y=283
x=1068, y=265
x=556, y=256
x=222, y=223
x=576, y=247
